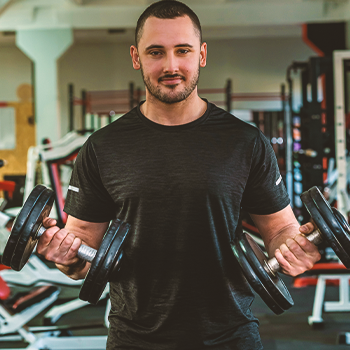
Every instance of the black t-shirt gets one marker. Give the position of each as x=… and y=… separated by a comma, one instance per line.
x=181, y=188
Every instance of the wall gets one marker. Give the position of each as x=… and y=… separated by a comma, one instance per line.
x=15, y=69
x=254, y=65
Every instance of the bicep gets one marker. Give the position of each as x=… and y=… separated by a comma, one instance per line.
x=272, y=225
x=91, y=233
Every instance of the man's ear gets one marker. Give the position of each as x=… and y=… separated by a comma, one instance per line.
x=135, y=57
x=203, y=55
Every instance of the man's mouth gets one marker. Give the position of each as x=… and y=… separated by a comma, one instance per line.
x=171, y=80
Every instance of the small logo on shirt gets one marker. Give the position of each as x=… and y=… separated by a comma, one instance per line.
x=73, y=188
x=279, y=180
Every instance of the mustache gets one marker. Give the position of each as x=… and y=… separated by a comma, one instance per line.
x=170, y=76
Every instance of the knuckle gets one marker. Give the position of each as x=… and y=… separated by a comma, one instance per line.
x=49, y=256
x=76, y=243
x=49, y=232
x=288, y=254
x=70, y=238
x=309, y=265
x=283, y=248
x=61, y=234
x=302, y=241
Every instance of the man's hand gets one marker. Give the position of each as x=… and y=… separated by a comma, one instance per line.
x=284, y=238
x=61, y=247
x=297, y=254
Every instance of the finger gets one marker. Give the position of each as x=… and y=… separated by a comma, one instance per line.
x=311, y=252
x=307, y=228
x=284, y=264
x=288, y=254
x=67, y=252
x=60, y=248
x=289, y=263
x=48, y=222
x=301, y=260
x=47, y=237
x=305, y=244
x=69, y=246
x=58, y=238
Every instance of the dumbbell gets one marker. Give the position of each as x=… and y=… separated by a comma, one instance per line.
x=27, y=229
x=261, y=273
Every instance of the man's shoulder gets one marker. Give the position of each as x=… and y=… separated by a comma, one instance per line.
x=225, y=119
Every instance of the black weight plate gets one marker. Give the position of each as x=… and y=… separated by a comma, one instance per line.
x=101, y=254
x=19, y=223
x=28, y=239
x=332, y=221
x=344, y=224
x=253, y=279
x=326, y=232
x=273, y=284
x=110, y=264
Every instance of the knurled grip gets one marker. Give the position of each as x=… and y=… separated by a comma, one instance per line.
x=84, y=252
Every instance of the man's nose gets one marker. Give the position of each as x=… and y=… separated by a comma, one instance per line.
x=171, y=64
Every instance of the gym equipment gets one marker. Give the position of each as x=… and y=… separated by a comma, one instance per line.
x=14, y=322
x=14, y=328
x=261, y=273
x=55, y=169
x=27, y=229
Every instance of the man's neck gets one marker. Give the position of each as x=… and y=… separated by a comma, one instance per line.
x=179, y=113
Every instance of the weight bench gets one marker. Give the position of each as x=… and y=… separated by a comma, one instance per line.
x=329, y=272
x=12, y=323
x=37, y=271
x=50, y=337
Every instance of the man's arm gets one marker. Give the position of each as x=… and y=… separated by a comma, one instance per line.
x=283, y=238
x=61, y=245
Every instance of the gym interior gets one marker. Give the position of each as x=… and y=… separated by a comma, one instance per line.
x=65, y=72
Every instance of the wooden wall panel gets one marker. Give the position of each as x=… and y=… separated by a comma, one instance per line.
x=25, y=138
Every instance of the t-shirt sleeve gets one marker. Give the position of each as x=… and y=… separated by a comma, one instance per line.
x=87, y=199
x=265, y=192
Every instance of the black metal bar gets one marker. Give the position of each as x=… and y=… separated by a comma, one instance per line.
x=346, y=88
x=131, y=95
x=138, y=95
x=83, y=109
x=71, y=106
x=229, y=95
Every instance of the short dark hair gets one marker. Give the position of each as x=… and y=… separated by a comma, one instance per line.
x=167, y=9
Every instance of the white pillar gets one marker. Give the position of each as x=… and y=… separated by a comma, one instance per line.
x=44, y=47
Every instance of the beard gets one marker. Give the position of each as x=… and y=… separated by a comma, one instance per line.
x=171, y=97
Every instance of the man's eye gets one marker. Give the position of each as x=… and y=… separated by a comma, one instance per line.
x=183, y=51
x=155, y=53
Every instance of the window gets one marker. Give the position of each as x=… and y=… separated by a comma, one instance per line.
x=7, y=128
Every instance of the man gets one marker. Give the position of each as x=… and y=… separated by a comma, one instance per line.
x=178, y=169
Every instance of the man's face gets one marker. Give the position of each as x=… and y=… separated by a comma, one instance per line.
x=169, y=55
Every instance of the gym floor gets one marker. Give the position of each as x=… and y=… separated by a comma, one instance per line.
x=288, y=331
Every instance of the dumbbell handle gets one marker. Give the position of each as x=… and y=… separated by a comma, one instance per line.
x=84, y=252
x=272, y=266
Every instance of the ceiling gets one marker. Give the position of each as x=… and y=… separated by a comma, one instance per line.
x=96, y=21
